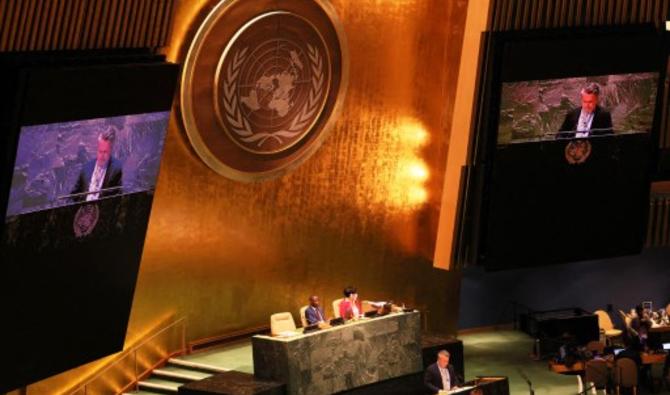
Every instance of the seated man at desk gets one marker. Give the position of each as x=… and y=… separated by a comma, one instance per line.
x=314, y=313
x=350, y=306
x=440, y=375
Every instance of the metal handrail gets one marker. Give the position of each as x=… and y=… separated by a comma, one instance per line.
x=133, y=351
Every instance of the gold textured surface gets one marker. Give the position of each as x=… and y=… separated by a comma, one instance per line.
x=363, y=210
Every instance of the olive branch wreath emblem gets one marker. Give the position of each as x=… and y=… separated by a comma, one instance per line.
x=240, y=125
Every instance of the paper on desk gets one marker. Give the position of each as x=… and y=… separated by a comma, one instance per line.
x=456, y=390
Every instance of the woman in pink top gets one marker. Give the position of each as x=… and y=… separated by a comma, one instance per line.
x=350, y=306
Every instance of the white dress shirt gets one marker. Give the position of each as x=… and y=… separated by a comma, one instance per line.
x=446, y=378
x=584, y=124
x=96, y=182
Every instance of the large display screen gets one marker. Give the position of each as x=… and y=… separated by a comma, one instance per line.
x=577, y=107
x=564, y=148
x=82, y=143
x=81, y=161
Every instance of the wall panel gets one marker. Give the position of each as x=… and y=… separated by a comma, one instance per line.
x=47, y=25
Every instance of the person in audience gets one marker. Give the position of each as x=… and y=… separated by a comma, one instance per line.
x=350, y=306
x=588, y=120
x=314, y=313
x=640, y=325
x=441, y=375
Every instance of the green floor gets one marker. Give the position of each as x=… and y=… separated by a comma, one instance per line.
x=505, y=353
x=487, y=353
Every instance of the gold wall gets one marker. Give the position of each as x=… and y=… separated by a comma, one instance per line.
x=363, y=210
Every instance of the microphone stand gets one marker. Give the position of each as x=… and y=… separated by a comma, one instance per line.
x=586, y=390
x=531, y=391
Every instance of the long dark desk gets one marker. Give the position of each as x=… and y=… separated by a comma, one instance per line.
x=343, y=357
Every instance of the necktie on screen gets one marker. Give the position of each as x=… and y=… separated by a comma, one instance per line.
x=96, y=182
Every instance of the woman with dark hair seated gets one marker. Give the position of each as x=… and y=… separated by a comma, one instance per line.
x=350, y=306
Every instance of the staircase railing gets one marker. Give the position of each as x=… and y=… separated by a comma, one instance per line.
x=137, y=362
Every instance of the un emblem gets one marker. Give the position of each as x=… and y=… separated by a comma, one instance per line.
x=261, y=89
x=577, y=151
x=85, y=220
x=272, y=82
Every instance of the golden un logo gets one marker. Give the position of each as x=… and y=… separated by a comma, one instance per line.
x=260, y=91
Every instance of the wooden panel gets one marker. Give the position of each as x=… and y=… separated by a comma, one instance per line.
x=132, y=18
x=57, y=25
x=156, y=31
x=166, y=28
x=44, y=25
x=14, y=21
x=141, y=25
x=61, y=39
x=103, y=24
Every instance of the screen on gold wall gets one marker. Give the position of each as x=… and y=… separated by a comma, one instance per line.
x=84, y=148
x=561, y=108
x=64, y=163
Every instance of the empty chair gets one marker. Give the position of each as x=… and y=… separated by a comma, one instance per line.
x=606, y=326
x=281, y=323
x=595, y=346
x=336, y=307
x=625, y=375
x=597, y=374
x=303, y=319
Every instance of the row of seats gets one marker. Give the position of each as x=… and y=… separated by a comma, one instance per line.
x=597, y=376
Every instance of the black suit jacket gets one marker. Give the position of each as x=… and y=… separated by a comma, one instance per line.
x=113, y=178
x=432, y=379
x=602, y=123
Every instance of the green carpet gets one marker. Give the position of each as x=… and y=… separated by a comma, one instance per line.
x=504, y=353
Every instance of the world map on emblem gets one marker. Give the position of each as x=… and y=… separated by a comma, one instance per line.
x=272, y=83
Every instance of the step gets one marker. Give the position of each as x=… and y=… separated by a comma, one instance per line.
x=180, y=373
x=197, y=365
x=157, y=384
x=143, y=392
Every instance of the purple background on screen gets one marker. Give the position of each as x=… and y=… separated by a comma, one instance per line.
x=49, y=158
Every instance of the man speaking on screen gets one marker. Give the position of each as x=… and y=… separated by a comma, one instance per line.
x=102, y=176
x=588, y=120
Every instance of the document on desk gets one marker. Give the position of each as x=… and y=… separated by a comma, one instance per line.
x=456, y=390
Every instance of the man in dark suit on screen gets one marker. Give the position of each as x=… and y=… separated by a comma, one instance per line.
x=588, y=120
x=440, y=375
x=102, y=176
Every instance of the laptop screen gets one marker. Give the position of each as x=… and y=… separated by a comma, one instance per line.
x=666, y=346
x=617, y=351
